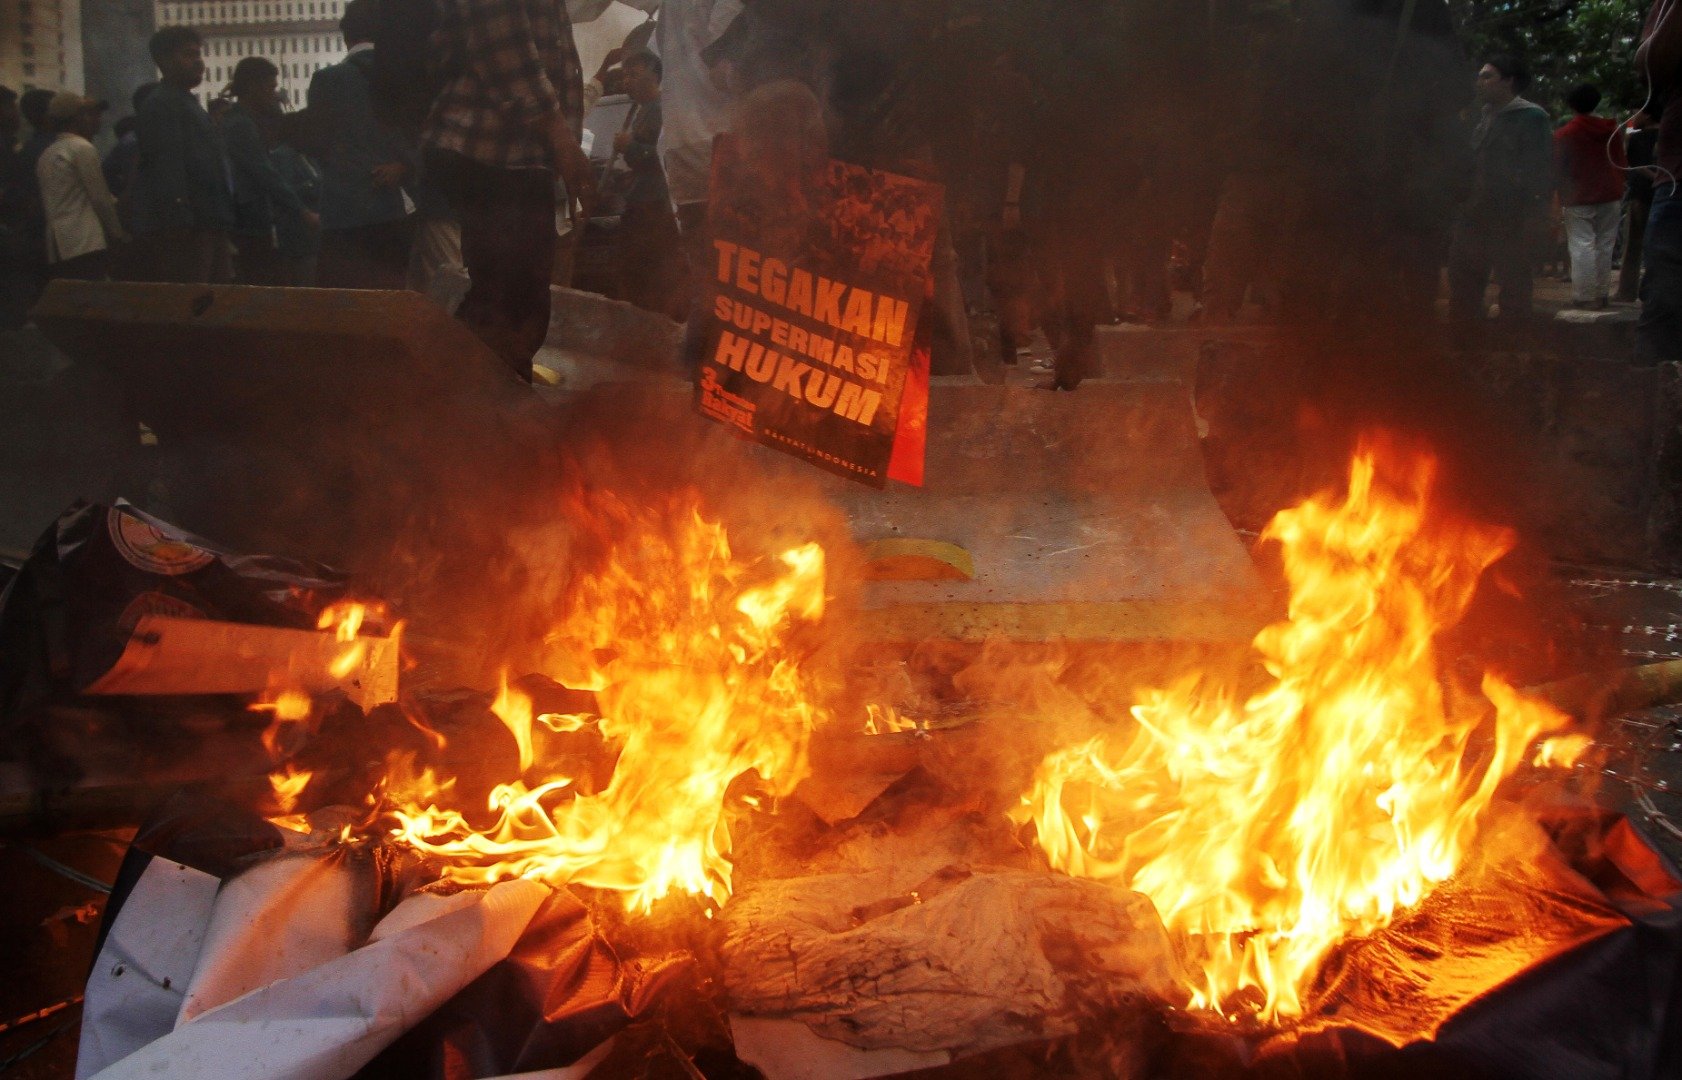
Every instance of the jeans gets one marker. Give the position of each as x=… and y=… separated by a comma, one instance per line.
x=1658, y=334
x=1591, y=233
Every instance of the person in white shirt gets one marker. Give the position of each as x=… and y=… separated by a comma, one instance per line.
x=81, y=214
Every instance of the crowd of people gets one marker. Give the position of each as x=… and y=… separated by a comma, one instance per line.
x=1600, y=174
x=357, y=189
x=438, y=161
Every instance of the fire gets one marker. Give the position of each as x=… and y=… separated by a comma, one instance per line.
x=1561, y=751
x=693, y=654
x=887, y=720
x=1266, y=828
x=289, y=783
x=292, y=707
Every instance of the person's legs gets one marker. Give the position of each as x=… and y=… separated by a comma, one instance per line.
x=648, y=252
x=950, y=348
x=335, y=265
x=508, y=246
x=1605, y=242
x=1658, y=333
x=94, y=266
x=169, y=255
x=692, y=231
x=1225, y=263
x=1083, y=305
x=1635, y=233
x=258, y=261
x=1468, y=273
x=387, y=247
x=1510, y=248
x=435, y=266
x=368, y=256
x=1581, y=241
x=215, y=255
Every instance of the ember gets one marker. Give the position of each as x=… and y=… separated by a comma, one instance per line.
x=1272, y=825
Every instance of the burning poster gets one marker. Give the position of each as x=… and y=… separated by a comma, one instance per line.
x=818, y=280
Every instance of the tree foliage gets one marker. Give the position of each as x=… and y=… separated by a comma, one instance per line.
x=1564, y=42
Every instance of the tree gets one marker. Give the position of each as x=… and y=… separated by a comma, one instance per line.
x=1564, y=42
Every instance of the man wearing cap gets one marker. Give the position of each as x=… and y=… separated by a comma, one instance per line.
x=81, y=214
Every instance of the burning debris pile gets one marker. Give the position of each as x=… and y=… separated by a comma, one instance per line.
x=1269, y=827
x=631, y=850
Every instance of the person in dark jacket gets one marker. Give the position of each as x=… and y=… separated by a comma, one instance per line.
x=650, y=255
x=262, y=197
x=1514, y=172
x=1658, y=333
x=27, y=216
x=1640, y=145
x=15, y=280
x=181, y=208
x=366, y=226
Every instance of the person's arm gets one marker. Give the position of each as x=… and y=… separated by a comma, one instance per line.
x=84, y=161
x=246, y=151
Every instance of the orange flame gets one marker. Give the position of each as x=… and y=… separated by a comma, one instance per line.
x=289, y=782
x=292, y=707
x=1561, y=751
x=1268, y=828
x=887, y=720
x=689, y=650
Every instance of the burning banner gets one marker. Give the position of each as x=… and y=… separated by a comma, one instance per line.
x=812, y=320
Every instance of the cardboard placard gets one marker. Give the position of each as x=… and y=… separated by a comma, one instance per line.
x=813, y=313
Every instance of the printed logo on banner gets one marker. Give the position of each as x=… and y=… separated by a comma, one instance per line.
x=816, y=288
x=153, y=550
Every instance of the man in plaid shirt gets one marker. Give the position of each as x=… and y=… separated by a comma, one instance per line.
x=505, y=122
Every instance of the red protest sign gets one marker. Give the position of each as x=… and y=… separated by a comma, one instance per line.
x=816, y=288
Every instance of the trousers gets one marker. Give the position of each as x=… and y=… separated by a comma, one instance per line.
x=508, y=247
x=1591, y=235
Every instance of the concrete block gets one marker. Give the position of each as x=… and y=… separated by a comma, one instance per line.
x=601, y=329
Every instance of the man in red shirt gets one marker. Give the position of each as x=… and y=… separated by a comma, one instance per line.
x=1589, y=153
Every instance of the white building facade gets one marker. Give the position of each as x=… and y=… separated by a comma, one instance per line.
x=300, y=37
x=41, y=44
